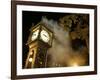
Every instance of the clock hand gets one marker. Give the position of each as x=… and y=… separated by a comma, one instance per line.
x=34, y=34
x=44, y=35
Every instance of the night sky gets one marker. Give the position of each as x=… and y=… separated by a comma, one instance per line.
x=29, y=17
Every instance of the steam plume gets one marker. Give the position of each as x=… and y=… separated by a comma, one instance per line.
x=61, y=51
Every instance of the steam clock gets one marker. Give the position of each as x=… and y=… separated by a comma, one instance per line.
x=39, y=41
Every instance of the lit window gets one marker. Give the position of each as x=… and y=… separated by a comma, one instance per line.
x=31, y=53
x=30, y=59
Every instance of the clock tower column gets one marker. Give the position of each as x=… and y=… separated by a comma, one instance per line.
x=39, y=41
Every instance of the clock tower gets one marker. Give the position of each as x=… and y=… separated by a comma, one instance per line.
x=39, y=41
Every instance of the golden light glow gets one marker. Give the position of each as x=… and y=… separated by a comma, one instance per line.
x=31, y=53
x=30, y=59
x=76, y=61
x=75, y=64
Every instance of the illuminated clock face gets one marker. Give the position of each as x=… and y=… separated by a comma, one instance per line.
x=35, y=35
x=45, y=36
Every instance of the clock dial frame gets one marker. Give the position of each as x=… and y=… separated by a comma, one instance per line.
x=45, y=36
x=35, y=35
